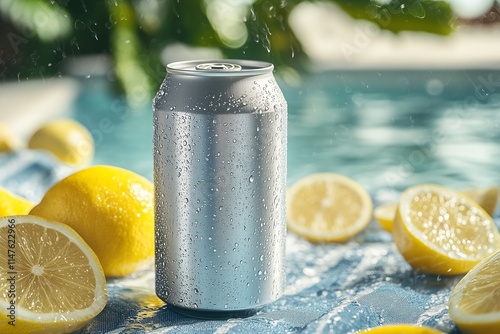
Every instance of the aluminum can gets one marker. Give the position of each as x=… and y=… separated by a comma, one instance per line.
x=220, y=143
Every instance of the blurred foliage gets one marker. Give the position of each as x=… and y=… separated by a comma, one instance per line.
x=39, y=34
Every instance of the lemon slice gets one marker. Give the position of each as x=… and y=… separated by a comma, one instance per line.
x=401, y=329
x=440, y=231
x=11, y=204
x=474, y=302
x=50, y=279
x=327, y=207
x=385, y=214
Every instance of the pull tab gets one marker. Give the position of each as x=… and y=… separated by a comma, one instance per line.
x=218, y=67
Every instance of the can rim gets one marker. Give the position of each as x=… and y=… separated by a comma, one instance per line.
x=242, y=68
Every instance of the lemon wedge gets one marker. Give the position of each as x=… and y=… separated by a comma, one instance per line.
x=401, y=329
x=328, y=207
x=474, y=302
x=50, y=279
x=440, y=231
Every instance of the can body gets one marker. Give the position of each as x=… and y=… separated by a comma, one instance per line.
x=220, y=132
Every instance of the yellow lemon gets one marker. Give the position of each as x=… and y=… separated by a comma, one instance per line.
x=328, y=207
x=385, y=214
x=112, y=209
x=486, y=197
x=8, y=140
x=401, y=329
x=11, y=204
x=441, y=231
x=50, y=279
x=68, y=140
x=474, y=303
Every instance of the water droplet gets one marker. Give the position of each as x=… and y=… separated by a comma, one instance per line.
x=416, y=9
x=434, y=87
x=250, y=179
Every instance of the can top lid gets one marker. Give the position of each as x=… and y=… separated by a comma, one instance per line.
x=220, y=67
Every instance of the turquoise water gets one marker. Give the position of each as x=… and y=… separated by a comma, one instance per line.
x=385, y=129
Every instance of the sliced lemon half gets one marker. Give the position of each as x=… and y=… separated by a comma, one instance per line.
x=328, y=207
x=474, y=303
x=440, y=231
x=50, y=279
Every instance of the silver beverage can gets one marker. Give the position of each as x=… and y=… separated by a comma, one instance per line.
x=220, y=143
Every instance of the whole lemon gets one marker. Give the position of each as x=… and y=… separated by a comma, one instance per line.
x=112, y=209
x=67, y=139
x=11, y=204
